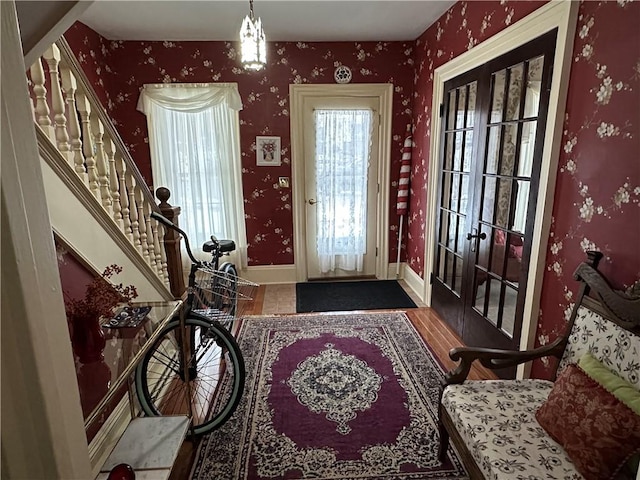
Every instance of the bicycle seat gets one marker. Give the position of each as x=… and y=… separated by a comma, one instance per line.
x=225, y=246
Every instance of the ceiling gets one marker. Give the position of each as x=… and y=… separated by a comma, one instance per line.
x=288, y=20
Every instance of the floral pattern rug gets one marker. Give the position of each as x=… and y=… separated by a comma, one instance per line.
x=351, y=396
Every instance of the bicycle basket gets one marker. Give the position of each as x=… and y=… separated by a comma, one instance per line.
x=222, y=296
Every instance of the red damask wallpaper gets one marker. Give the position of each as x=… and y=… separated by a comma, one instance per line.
x=598, y=185
x=125, y=66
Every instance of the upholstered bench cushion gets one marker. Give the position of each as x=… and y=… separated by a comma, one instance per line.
x=496, y=419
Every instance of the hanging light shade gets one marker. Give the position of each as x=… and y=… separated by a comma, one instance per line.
x=253, y=44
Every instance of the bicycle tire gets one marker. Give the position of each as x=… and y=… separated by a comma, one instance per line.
x=159, y=378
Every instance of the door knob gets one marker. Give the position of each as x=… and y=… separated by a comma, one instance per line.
x=312, y=201
x=482, y=236
x=473, y=235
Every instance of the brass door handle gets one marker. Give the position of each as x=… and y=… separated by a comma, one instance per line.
x=312, y=201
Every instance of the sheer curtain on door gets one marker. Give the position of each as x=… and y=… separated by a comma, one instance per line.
x=195, y=152
x=343, y=144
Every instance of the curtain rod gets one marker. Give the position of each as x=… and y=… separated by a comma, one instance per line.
x=190, y=85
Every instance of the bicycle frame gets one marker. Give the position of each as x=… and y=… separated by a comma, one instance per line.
x=195, y=263
x=186, y=311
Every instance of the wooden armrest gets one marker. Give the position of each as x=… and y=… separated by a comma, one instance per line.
x=493, y=358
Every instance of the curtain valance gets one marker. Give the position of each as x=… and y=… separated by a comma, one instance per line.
x=189, y=97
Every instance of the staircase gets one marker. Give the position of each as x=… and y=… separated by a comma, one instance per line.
x=99, y=203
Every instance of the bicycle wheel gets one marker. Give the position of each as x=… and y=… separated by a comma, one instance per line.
x=215, y=370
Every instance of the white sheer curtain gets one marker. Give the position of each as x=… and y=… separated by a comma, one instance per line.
x=343, y=142
x=195, y=152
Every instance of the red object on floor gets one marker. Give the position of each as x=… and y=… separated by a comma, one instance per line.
x=122, y=471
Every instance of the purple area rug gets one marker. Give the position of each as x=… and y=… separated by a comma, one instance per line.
x=350, y=396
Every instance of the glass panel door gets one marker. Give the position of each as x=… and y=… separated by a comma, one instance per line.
x=454, y=187
x=491, y=149
x=506, y=178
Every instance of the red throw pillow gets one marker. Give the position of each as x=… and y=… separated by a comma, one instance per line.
x=597, y=431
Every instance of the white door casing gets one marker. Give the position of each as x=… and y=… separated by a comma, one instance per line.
x=313, y=202
x=299, y=96
x=556, y=14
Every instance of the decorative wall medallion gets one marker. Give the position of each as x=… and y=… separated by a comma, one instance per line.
x=336, y=384
x=342, y=74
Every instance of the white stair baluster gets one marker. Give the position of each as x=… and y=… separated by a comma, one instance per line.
x=121, y=168
x=150, y=236
x=40, y=91
x=157, y=247
x=97, y=128
x=133, y=211
x=114, y=184
x=84, y=109
x=70, y=87
x=142, y=223
x=52, y=56
x=163, y=253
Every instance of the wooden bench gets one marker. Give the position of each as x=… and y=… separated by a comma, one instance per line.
x=493, y=423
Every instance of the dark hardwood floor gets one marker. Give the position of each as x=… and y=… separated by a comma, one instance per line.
x=433, y=330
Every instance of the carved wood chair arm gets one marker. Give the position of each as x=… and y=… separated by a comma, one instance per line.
x=492, y=358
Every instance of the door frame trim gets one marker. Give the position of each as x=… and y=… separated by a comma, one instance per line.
x=297, y=95
x=556, y=14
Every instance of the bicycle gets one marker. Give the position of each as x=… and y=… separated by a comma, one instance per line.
x=209, y=359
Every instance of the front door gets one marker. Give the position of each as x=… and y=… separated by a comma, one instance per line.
x=341, y=157
x=493, y=135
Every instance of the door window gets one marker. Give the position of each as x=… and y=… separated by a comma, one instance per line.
x=343, y=140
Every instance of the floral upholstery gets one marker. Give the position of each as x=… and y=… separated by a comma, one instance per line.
x=496, y=418
x=614, y=346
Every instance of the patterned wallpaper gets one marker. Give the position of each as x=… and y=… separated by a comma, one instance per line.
x=598, y=187
x=125, y=66
x=594, y=208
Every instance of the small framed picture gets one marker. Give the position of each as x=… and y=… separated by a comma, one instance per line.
x=268, y=151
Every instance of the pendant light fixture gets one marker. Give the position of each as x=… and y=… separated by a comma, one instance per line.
x=253, y=44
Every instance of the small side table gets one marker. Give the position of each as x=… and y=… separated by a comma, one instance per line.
x=150, y=445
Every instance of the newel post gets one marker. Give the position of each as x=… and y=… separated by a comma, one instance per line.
x=172, y=243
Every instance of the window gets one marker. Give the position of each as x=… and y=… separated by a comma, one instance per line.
x=195, y=153
x=342, y=155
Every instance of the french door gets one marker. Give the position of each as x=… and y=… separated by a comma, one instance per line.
x=341, y=165
x=493, y=131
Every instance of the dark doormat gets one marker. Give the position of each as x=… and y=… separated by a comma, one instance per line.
x=342, y=296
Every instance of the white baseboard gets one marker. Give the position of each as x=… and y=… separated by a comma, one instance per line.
x=266, y=274
x=391, y=271
x=414, y=281
x=272, y=274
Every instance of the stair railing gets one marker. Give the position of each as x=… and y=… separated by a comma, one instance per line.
x=78, y=140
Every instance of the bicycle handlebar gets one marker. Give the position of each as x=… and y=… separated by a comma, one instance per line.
x=169, y=224
x=164, y=220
